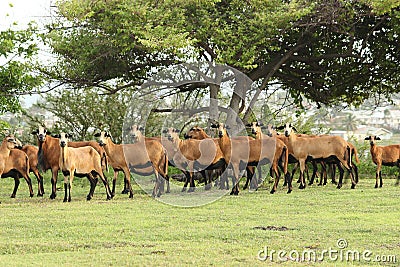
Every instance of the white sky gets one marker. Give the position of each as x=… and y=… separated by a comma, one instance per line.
x=22, y=12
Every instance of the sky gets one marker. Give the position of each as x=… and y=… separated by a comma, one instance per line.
x=22, y=12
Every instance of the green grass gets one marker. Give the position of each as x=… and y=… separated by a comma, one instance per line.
x=227, y=232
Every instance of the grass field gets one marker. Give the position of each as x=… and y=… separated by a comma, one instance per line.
x=232, y=231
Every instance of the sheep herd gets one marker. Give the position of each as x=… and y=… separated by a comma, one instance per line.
x=220, y=157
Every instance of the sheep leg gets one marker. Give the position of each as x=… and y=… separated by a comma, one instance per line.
x=288, y=179
x=323, y=178
x=54, y=174
x=40, y=182
x=192, y=186
x=302, y=164
x=16, y=185
x=248, y=178
x=235, y=179
x=93, y=182
x=187, y=178
x=128, y=181
x=380, y=179
x=315, y=170
x=276, y=173
x=126, y=188
x=66, y=188
x=341, y=173
x=223, y=181
x=29, y=182
x=254, y=180
x=158, y=185
x=377, y=174
x=355, y=168
x=208, y=175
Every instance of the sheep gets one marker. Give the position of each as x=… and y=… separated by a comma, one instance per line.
x=317, y=148
x=79, y=161
x=240, y=153
x=281, y=155
x=49, y=154
x=194, y=155
x=14, y=163
x=383, y=155
x=32, y=152
x=147, y=159
x=138, y=137
x=199, y=134
x=332, y=167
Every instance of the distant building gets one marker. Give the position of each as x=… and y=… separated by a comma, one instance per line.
x=363, y=132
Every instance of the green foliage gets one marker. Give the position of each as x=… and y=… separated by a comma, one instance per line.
x=84, y=112
x=18, y=49
x=326, y=51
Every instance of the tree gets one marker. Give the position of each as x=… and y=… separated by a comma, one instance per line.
x=329, y=51
x=83, y=112
x=18, y=51
x=350, y=122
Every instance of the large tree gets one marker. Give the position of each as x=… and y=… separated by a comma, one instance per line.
x=328, y=51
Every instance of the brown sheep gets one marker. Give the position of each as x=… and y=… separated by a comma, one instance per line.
x=80, y=161
x=32, y=152
x=317, y=148
x=194, y=155
x=49, y=154
x=240, y=153
x=281, y=155
x=383, y=155
x=199, y=134
x=139, y=157
x=14, y=163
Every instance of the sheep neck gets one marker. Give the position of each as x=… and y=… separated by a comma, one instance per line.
x=4, y=150
x=225, y=144
x=258, y=135
x=110, y=147
x=63, y=156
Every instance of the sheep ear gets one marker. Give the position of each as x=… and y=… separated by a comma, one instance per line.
x=56, y=135
x=35, y=132
x=294, y=129
x=259, y=123
x=48, y=132
x=165, y=131
x=227, y=127
x=68, y=135
x=280, y=127
x=141, y=129
x=214, y=126
x=177, y=131
x=377, y=138
x=368, y=138
x=97, y=134
x=248, y=125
